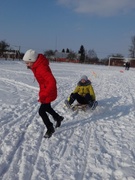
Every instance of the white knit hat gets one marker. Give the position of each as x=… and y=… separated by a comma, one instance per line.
x=84, y=77
x=30, y=56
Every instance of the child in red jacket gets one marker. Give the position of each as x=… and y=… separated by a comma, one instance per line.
x=48, y=89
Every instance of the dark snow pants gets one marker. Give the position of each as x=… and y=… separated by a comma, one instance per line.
x=81, y=99
x=43, y=110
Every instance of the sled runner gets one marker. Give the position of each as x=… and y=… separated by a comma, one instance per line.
x=82, y=107
x=78, y=106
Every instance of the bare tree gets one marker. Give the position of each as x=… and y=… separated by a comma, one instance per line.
x=132, y=48
x=71, y=55
x=49, y=54
x=92, y=54
x=3, y=46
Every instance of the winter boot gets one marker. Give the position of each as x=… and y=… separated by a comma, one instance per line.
x=58, y=121
x=93, y=105
x=67, y=103
x=49, y=132
x=90, y=104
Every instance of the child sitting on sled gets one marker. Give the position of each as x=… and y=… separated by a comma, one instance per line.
x=83, y=93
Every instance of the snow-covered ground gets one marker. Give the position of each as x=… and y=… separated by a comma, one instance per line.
x=98, y=145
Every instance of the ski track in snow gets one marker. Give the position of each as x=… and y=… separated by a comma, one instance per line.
x=91, y=145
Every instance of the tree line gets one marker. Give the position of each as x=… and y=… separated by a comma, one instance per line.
x=83, y=55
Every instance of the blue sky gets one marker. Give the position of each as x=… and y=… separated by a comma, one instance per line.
x=106, y=26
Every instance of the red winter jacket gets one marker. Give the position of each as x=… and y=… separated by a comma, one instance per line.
x=46, y=80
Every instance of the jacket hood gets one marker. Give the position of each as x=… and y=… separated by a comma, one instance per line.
x=41, y=59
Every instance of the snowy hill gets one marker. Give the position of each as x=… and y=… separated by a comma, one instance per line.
x=98, y=145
